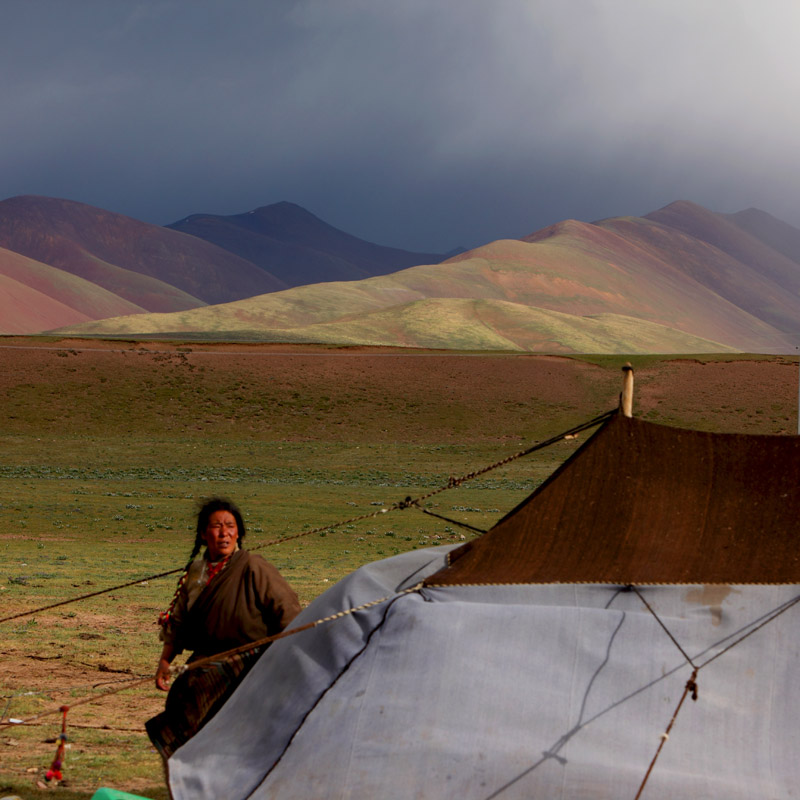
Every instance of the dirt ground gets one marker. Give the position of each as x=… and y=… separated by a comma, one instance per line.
x=410, y=393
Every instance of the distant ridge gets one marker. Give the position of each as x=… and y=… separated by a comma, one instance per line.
x=130, y=267
x=773, y=232
x=760, y=278
x=682, y=279
x=298, y=247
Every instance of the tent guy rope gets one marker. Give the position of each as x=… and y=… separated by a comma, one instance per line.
x=408, y=502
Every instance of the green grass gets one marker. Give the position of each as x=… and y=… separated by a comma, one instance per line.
x=80, y=529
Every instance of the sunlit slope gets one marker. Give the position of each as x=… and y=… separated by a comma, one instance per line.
x=649, y=271
x=462, y=324
x=27, y=310
x=580, y=270
x=466, y=324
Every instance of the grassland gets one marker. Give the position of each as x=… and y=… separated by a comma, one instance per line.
x=108, y=446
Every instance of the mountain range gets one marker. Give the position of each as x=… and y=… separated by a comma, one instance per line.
x=681, y=279
x=63, y=262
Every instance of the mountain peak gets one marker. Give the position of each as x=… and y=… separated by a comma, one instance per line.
x=282, y=206
x=681, y=207
x=283, y=216
x=299, y=247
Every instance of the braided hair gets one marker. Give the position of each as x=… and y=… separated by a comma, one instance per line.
x=203, y=516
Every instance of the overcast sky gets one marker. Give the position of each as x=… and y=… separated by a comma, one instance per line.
x=424, y=124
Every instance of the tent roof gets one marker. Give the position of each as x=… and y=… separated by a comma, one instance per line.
x=641, y=503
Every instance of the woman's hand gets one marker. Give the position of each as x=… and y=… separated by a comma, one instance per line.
x=163, y=675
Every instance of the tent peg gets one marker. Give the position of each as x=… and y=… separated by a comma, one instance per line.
x=626, y=396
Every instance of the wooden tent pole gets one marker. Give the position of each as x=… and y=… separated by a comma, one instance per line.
x=626, y=396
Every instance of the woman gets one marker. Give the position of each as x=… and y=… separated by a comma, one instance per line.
x=225, y=599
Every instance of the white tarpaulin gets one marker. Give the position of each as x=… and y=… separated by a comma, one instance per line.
x=522, y=691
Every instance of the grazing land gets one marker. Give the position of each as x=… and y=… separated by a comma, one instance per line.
x=108, y=446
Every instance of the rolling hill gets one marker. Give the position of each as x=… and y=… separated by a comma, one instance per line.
x=298, y=247
x=151, y=267
x=619, y=285
x=36, y=296
x=24, y=309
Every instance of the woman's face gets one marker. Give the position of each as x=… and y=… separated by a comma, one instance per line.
x=221, y=535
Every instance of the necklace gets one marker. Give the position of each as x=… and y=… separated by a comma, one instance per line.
x=214, y=569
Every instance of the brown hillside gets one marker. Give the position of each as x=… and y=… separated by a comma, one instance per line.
x=24, y=309
x=53, y=291
x=158, y=269
x=583, y=269
x=733, y=284
x=777, y=234
x=779, y=306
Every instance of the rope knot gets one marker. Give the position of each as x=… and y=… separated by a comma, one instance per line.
x=55, y=772
x=691, y=686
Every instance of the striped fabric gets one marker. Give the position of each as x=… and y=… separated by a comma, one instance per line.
x=195, y=697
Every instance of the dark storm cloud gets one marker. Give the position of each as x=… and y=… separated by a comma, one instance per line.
x=420, y=124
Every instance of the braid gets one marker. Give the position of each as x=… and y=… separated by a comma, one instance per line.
x=199, y=541
x=163, y=617
x=203, y=516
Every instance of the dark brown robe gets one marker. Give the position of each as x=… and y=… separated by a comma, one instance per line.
x=247, y=601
